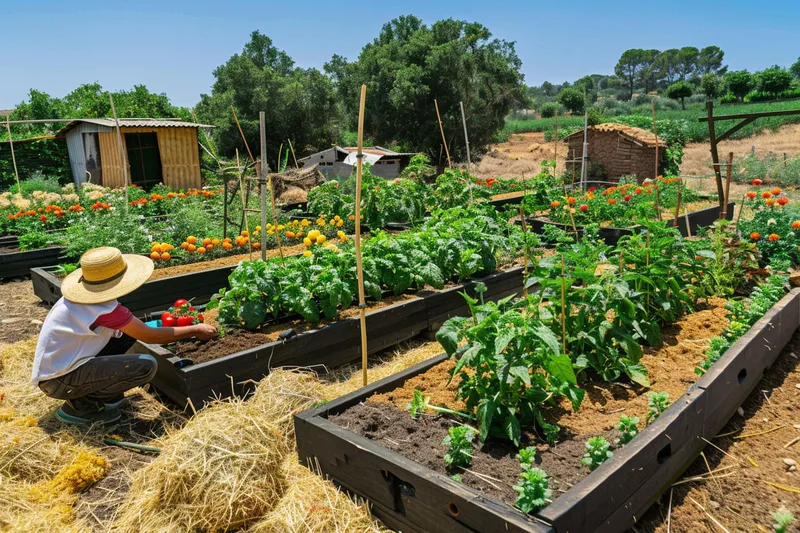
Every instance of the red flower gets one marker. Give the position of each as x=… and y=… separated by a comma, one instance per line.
x=638, y=190
x=571, y=200
x=555, y=203
x=757, y=181
x=755, y=235
x=43, y=218
x=774, y=237
x=783, y=200
x=584, y=207
x=751, y=195
x=612, y=201
x=765, y=195
x=10, y=217
x=776, y=191
x=627, y=198
x=591, y=189
x=770, y=202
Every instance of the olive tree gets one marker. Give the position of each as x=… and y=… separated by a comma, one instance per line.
x=680, y=90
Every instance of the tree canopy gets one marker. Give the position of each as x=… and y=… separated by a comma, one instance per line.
x=300, y=104
x=410, y=64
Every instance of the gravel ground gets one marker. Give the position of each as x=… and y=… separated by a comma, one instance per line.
x=21, y=312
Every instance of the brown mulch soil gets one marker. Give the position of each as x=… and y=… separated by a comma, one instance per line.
x=21, y=311
x=739, y=498
x=670, y=367
x=9, y=250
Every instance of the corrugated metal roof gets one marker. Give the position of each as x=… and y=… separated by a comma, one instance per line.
x=374, y=150
x=132, y=123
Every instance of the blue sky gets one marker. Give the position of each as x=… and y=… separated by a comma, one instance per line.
x=173, y=46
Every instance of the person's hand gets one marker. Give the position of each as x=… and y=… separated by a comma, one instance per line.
x=205, y=332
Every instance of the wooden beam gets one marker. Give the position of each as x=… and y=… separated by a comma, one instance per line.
x=755, y=115
x=736, y=128
x=714, y=153
x=13, y=157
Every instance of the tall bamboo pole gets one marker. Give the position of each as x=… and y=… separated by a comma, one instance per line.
x=727, y=186
x=293, y=156
x=441, y=130
x=236, y=119
x=361, y=300
x=563, y=307
x=266, y=180
x=466, y=137
x=13, y=158
x=655, y=132
x=121, y=151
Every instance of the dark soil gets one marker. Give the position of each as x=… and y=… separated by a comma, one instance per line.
x=9, y=250
x=421, y=440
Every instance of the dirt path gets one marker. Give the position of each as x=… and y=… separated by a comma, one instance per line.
x=521, y=155
x=21, y=311
x=756, y=450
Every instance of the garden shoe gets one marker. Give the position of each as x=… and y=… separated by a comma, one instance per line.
x=115, y=401
x=81, y=411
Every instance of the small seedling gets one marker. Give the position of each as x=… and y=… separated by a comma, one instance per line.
x=456, y=478
x=459, y=442
x=597, y=452
x=658, y=403
x=627, y=426
x=782, y=519
x=527, y=456
x=533, y=490
x=419, y=404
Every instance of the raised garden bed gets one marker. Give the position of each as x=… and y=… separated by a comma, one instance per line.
x=697, y=219
x=14, y=263
x=329, y=346
x=410, y=497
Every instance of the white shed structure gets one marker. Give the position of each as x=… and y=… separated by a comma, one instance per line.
x=339, y=161
x=157, y=151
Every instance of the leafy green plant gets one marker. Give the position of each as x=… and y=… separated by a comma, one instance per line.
x=34, y=240
x=419, y=404
x=597, y=452
x=783, y=518
x=459, y=446
x=527, y=456
x=457, y=478
x=65, y=269
x=627, y=426
x=658, y=403
x=533, y=490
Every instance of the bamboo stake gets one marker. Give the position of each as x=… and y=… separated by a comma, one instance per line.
x=658, y=202
x=262, y=183
x=361, y=303
x=466, y=137
x=655, y=132
x=563, y=307
x=293, y=156
x=441, y=130
x=669, y=511
x=555, y=147
x=242, y=134
x=727, y=186
x=13, y=157
x=525, y=253
x=678, y=204
x=121, y=151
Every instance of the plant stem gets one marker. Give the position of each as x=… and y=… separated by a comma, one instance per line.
x=445, y=410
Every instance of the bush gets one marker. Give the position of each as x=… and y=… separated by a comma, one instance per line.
x=761, y=96
x=549, y=109
x=38, y=182
x=595, y=116
x=728, y=98
x=711, y=85
x=773, y=80
x=572, y=99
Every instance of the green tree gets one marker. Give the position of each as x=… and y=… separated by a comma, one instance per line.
x=739, y=83
x=687, y=61
x=300, y=104
x=710, y=85
x=680, y=90
x=649, y=72
x=773, y=80
x=587, y=87
x=667, y=66
x=709, y=61
x=572, y=99
x=629, y=66
x=795, y=68
x=410, y=64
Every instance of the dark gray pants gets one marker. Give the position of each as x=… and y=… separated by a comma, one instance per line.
x=102, y=378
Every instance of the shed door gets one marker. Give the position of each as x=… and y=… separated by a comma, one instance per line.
x=144, y=159
x=91, y=147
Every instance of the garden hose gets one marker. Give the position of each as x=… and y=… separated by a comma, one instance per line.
x=131, y=445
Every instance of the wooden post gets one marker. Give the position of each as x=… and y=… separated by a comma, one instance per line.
x=727, y=186
x=714, y=153
x=266, y=181
x=655, y=132
x=466, y=137
x=361, y=300
x=525, y=253
x=293, y=156
x=678, y=204
x=658, y=202
x=121, y=151
x=563, y=307
x=13, y=158
x=441, y=130
x=242, y=134
x=555, y=146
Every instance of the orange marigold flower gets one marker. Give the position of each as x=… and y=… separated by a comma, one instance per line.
x=571, y=200
x=796, y=224
x=627, y=198
x=584, y=207
x=766, y=195
x=757, y=182
x=638, y=190
x=774, y=237
x=770, y=202
x=755, y=235
x=751, y=195
x=783, y=201
x=612, y=201
x=776, y=191
x=555, y=203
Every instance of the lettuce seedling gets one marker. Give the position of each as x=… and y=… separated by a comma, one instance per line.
x=533, y=490
x=658, y=403
x=597, y=452
x=459, y=442
x=627, y=426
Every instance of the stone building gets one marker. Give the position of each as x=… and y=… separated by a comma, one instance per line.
x=615, y=150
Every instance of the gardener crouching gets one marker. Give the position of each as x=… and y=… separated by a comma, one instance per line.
x=74, y=359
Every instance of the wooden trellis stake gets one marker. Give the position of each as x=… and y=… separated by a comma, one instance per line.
x=361, y=300
x=121, y=151
x=266, y=180
x=441, y=130
x=727, y=186
x=236, y=119
x=13, y=158
x=563, y=307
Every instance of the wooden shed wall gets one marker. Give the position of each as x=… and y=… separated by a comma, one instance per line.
x=618, y=153
x=180, y=160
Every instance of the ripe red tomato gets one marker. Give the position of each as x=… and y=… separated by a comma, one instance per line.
x=200, y=318
x=185, y=321
x=168, y=322
x=179, y=302
x=166, y=315
x=191, y=308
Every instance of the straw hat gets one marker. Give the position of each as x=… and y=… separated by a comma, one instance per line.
x=105, y=275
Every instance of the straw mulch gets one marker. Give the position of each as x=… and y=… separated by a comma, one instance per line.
x=230, y=467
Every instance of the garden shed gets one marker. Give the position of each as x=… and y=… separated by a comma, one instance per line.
x=616, y=150
x=158, y=151
x=339, y=161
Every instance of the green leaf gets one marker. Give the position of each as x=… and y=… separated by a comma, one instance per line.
x=486, y=410
x=432, y=275
x=511, y=429
x=548, y=337
x=706, y=253
x=449, y=335
x=560, y=367
x=522, y=372
x=638, y=374
x=502, y=340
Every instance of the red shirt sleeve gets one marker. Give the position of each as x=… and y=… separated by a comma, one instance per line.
x=116, y=319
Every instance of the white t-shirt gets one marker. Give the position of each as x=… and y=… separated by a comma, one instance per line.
x=67, y=341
